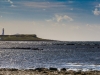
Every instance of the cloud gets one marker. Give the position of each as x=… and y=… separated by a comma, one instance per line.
x=70, y=1
x=10, y=1
x=12, y=4
x=59, y=18
x=43, y=4
x=48, y=20
x=71, y=9
x=98, y=6
x=96, y=12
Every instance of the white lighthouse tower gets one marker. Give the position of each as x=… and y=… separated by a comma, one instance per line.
x=3, y=31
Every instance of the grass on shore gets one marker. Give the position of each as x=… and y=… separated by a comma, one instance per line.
x=20, y=38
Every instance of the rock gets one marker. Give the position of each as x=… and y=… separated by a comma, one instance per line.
x=63, y=69
x=53, y=69
x=41, y=69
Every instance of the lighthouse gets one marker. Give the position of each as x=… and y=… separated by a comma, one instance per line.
x=3, y=31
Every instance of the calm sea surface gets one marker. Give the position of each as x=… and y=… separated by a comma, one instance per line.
x=35, y=54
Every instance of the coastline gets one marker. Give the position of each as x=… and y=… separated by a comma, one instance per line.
x=22, y=37
x=45, y=71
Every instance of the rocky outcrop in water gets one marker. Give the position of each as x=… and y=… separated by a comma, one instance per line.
x=27, y=48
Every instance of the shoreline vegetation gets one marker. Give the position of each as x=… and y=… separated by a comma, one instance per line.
x=22, y=37
x=45, y=71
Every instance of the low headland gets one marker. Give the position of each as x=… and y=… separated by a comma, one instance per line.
x=45, y=71
x=22, y=37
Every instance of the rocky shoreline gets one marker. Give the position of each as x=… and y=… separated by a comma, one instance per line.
x=45, y=71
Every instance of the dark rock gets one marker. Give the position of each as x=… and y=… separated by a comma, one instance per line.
x=53, y=69
x=13, y=69
x=23, y=48
x=5, y=69
x=41, y=69
x=36, y=49
x=63, y=69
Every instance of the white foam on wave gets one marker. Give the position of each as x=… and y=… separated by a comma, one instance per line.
x=74, y=64
x=82, y=67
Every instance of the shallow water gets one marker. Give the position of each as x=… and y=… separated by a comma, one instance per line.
x=71, y=55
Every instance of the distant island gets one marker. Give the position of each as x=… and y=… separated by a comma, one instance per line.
x=20, y=37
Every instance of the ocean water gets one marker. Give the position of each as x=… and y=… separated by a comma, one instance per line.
x=36, y=54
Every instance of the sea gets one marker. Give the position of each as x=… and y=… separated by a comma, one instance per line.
x=72, y=55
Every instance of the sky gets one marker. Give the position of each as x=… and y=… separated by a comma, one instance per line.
x=65, y=20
